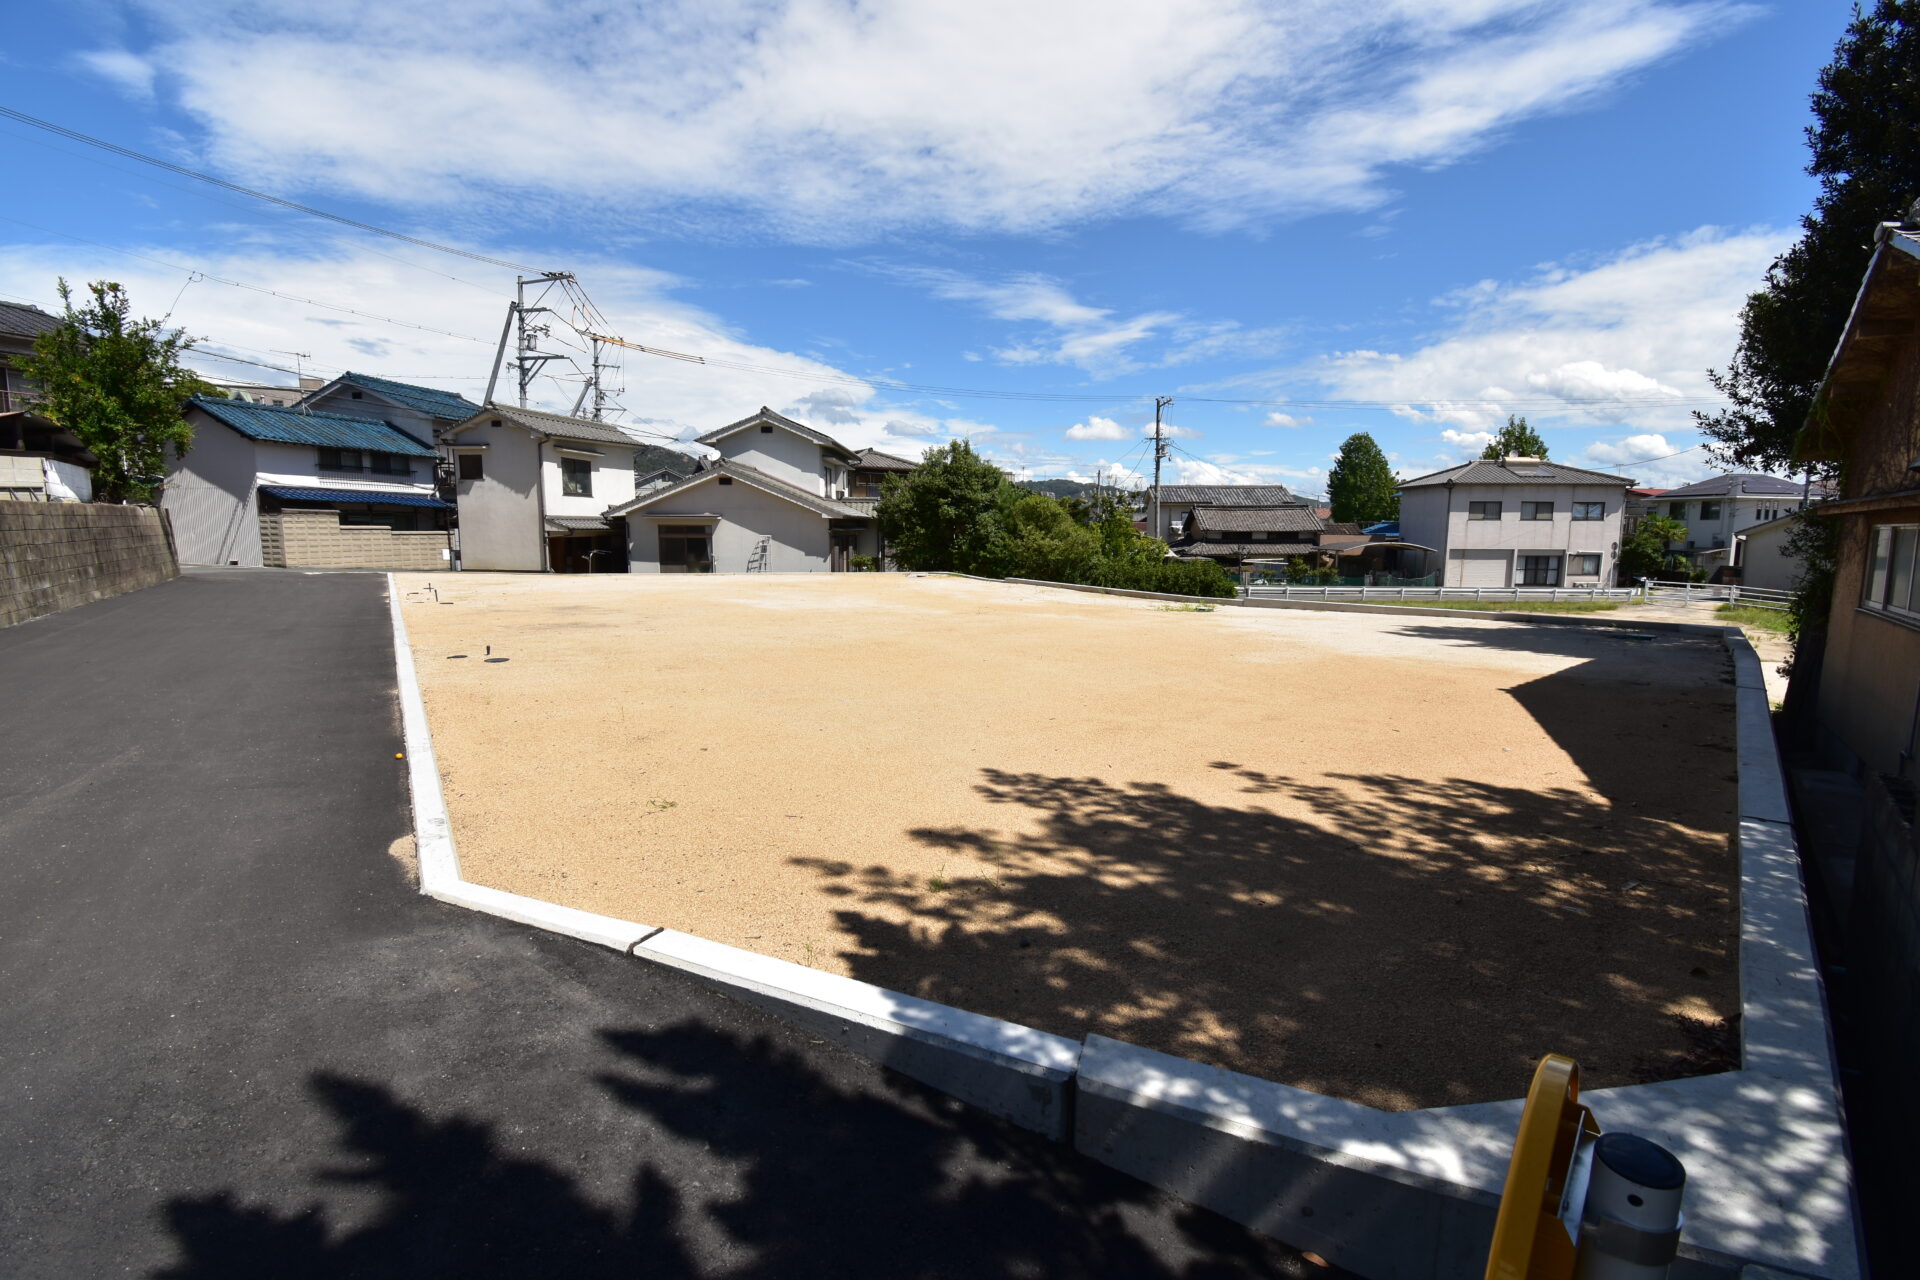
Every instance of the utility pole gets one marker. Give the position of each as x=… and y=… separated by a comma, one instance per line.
x=528, y=358
x=1159, y=454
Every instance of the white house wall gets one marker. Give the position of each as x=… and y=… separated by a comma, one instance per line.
x=500, y=512
x=798, y=537
x=1437, y=516
x=612, y=480
x=1765, y=563
x=1737, y=515
x=781, y=454
x=209, y=497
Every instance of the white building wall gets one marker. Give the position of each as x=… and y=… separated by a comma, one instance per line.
x=1737, y=515
x=67, y=481
x=1765, y=563
x=1438, y=516
x=209, y=497
x=781, y=454
x=798, y=540
x=612, y=480
x=299, y=464
x=500, y=524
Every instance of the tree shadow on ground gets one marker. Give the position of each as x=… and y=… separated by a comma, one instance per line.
x=1400, y=941
x=793, y=1174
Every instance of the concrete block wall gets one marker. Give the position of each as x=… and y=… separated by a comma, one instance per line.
x=55, y=555
x=317, y=540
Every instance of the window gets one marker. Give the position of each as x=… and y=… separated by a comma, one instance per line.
x=1536, y=511
x=1676, y=511
x=470, y=466
x=766, y=428
x=725, y=480
x=1589, y=511
x=1483, y=511
x=1259, y=536
x=1891, y=570
x=341, y=460
x=1539, y=571
x=1709, y=511
x=1584, y=566
x=576, y=477
x=389, y=464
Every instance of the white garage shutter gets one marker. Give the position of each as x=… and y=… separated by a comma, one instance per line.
x=1484, y=568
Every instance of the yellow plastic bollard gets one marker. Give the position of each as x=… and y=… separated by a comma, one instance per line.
x=1535, y=1235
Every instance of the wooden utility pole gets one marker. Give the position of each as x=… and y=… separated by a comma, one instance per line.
x=1159, y=453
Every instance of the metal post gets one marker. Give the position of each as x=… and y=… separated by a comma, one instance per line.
x=1630, y=1225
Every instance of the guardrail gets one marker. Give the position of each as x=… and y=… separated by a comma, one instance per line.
x=1363, y=595
x=1718, y=593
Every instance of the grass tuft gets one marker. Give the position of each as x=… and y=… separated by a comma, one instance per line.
x=1746, y=615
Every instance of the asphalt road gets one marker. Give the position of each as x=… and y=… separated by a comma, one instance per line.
x=234, y=1042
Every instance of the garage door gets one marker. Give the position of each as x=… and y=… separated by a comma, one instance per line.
x=1483, y=569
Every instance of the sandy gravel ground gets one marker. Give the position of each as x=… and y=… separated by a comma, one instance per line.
x=1393, y=860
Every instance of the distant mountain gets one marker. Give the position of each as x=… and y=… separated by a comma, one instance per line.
x=1061, y=488
x=652, y=457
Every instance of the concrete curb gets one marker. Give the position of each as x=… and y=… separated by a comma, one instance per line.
x=1386, y=1194
x=1345, y=606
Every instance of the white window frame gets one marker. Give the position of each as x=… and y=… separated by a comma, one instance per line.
x=1882, y=588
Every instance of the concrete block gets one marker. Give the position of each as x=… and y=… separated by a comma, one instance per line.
x=1007, y=1070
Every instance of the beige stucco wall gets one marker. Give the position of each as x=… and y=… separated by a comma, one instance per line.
x=1764, y=561
x=1436, y=516
x=781, y=454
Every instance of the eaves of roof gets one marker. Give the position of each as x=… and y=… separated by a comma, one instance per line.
x=768, y=416
x=556, y=426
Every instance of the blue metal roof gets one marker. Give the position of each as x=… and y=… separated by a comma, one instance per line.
x=1388, y=528
x=286, y=425
x=290, y=493
x=438, y=404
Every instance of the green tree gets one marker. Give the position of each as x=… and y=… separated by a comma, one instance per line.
x=116, y=384
x=1865, y=144
x=1644, y=552
x=1362, y=487
x=943, y=515
x=1515, y=440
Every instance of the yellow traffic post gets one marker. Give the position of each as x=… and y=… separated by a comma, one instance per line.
x=1537, y=1233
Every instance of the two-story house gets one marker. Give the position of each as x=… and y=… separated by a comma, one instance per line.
x=778, y=500
x=426, y=413
x=533, y=490
x=1720, y=509
x=1516, y=522
x=1230, y=535
x=283, y=486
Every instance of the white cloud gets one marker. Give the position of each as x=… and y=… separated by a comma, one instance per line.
x=1198, y=471
x=132, y=74
x=1470, y=441
x=1625, y=340
x=1172, y=432
x=1644, y=457
x=670, y=398
x=818, y=119
x=1286, y=420
x=1096, y=428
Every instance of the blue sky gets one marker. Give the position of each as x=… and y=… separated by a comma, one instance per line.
x=1298, y=220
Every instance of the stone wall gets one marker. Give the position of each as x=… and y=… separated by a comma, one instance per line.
x=317, y=540
x=55, y=555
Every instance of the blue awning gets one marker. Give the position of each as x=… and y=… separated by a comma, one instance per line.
x=290, y=494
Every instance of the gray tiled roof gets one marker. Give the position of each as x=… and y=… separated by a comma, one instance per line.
x=801, y=429
x=753, y=476
x=1481, y=471
x=17, y=319
x=1288, y=519
x=1747, y=483
x=1225, y=495
x=874, y=460
x=1204, y=547
x=556, y=424
x=576, y=524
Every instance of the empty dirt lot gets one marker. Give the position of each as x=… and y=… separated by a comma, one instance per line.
x=1390, y=859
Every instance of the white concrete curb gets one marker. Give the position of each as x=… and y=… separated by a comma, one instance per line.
x=1387, y=1194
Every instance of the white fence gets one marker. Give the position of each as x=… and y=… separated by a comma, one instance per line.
x=1705, y=593
x=1388, y=595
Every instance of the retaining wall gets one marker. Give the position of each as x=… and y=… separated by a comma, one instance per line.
x=317, y=540
x=1388, y=1195
x=55, y=555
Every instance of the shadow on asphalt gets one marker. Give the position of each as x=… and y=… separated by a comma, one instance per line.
x=453, y=1199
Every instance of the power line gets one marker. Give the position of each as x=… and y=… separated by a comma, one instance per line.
x=76, y=136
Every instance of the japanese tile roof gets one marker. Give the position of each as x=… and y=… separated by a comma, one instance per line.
x=1738, y=484
x=1225, y=495
x=557, y=425
x=17, y=319
x=1206, y=547
x=381, y=497
x=874, y=460
x=1344, y=528
x=767, y=415
x=1515, y=471
x=1276, y=519
x=751, y=475
x=428, y=400
x=284, y=424
x=577, y=524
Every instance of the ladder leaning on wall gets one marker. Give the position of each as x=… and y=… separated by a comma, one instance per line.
x=757, y=562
